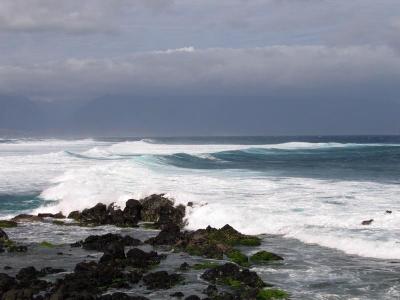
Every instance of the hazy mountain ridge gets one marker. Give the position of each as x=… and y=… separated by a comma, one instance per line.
x=159, y=115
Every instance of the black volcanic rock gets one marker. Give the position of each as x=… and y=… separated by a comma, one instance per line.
x=228, y=272
x=3, y=235
x=113, y=251
x=169, y=235
x=161, y=280
x=6, y=283
x=161, y=210
x=96, y=215
x=141, y=259
x=100, y=242
x=132, y=211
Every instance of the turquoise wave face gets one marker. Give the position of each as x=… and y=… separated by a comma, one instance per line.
x=10, y=204
x=353, y=162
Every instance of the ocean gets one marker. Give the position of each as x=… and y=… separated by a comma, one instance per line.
x=307, y=196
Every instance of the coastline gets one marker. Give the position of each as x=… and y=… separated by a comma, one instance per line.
x=191, y=260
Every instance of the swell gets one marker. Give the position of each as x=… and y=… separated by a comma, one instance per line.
x=341, y=161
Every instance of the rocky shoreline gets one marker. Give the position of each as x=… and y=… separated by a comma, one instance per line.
x=166, y=259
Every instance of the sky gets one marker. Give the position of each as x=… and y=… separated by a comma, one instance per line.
x=217, y=67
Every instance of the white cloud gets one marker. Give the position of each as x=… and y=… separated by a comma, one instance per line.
x=257, y=70
x=70, y=16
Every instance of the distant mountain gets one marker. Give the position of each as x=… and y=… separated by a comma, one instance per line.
x=198, y=114
x=20, y=114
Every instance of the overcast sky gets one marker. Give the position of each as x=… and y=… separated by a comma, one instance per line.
x=281, y=51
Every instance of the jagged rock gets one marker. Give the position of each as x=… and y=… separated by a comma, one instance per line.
x=9, y=245
x=214, y=243
x=171, y=215
x=96, y=215
x=141, y=259
x=54, y=216
x=152, y=205
x=264, y=256
x=229, y=274
x=211, y=291
x=177, y=295
x=161, y=280
x=367, y=222
x=169, y=235
x=3, y=235
x=75, y=215
x=184, y=267
x=6, y=283
x=100, y=242
x=22, y=218
x=88, y=279
x=8, y=224
x=132, y=211
x=161, y=211
x=27, y=274
x=113, y=251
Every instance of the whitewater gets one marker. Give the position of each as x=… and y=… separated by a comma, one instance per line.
x=314, y=192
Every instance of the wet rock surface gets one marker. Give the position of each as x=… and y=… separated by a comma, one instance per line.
x=119, y=266
x=99, y=243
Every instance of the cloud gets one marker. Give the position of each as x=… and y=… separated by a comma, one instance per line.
x=216, y=70
x=71, y=16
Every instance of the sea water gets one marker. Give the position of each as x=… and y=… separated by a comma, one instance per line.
x=306, y=195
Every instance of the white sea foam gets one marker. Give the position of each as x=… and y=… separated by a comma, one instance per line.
x=325, y=212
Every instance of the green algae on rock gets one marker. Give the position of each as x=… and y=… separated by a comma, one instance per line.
x=8, y=224
x=238, y=257
x=264, y=256
x=271, y=294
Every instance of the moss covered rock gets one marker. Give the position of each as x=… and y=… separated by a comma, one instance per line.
x=238, y=257
x=264, y=256
x=7, y=224
x=214, y=243
x=270, y=294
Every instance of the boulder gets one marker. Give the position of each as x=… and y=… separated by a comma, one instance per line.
x=75, y=215
x=6, y=283
x=88, y=280
x=113, y=251
x=100, y=242
x=54, y=216
x=169, y=235
x=367, y=222
x=140, y=259
x=97, y=215
x=161, y=280
x=132, y=212
x=28, y=274
x=25, y=218
x=264, y=256
x=3, y=235
x=161, y=211
x=231, y=274
x=214, y=243
x=152, y=205
x=177, y=295
x=8, y=224
x=171, y=215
